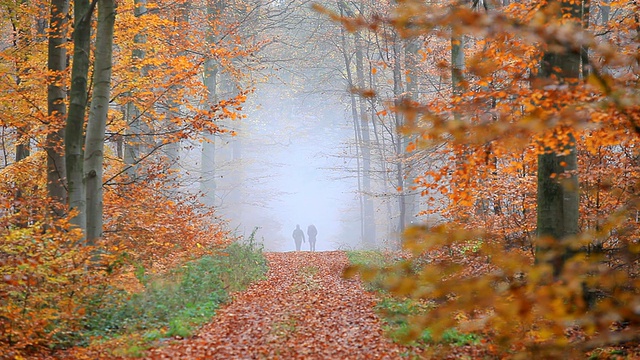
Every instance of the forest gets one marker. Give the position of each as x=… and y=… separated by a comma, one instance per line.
x=472, y=167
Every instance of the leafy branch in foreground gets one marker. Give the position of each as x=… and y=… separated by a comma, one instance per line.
x=535, y=185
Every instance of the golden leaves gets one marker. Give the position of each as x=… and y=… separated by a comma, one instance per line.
x=44, y=270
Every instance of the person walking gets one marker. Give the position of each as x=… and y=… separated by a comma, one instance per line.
x=298, y=237
x=312, y=232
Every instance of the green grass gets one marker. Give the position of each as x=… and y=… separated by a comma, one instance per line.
x=371, y=259
x=367, y=258
x=396, y=313
x=174, y=304
x=396, y=310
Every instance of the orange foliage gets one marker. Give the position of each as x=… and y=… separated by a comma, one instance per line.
x=47, y=275
x=156, y=230
x=484, y=175
x=44, y=273
x=165, y=85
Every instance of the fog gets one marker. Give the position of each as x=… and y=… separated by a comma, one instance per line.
x=306, y=150
x=293, y=173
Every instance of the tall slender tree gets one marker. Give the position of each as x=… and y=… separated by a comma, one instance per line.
x=361, y=123
x=398, y=90
x=211, y=68
x=558, y=196
x=20, y=42
x=133, y=138
x=369, y=234
x=96, y=126
x=56, y=102
x=74, y=131
x=411, y=48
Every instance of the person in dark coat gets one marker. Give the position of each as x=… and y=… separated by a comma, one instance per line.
x=298, y=237
x=312, y=232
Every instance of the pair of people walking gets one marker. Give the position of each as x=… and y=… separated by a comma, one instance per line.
x=298, y=237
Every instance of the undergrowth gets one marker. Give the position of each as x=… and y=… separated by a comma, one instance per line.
x=371, y=259
x=396, y=312
x=174, y=304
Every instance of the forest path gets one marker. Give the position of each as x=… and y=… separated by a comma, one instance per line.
x=303, y=310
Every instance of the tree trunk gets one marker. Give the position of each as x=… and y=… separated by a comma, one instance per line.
x=133, y=139
x=457, y=63
x=356, y=128
x=363, y=133
x=558, y=197
x=208, y=159
x=56, y=107
x=399, y=119
x=411, y=83
x=23, y=148
x=74, y=132
x=585, y=15
x=605, y=9
x=369, y=226
x=171, y=150
x=20, y=42
x=94, y=147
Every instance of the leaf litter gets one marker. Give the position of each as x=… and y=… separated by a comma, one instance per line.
x=303, y=310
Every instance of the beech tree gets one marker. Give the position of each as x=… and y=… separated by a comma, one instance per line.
x=558, y=190
x=99, y=111
x=134, y=134
x=211, y=68
x=56, y=103
x=78, y=97
x=532, y=105
x=20, y=41
x=354, y=60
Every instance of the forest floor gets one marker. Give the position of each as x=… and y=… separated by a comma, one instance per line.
x=303, y=310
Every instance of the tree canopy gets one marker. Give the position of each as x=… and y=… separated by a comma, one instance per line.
x=492, y=145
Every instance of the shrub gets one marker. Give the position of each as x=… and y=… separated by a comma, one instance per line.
x=176, y=302
x=45, y=272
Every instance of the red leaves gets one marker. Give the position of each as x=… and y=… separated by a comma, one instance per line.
x=304, y=310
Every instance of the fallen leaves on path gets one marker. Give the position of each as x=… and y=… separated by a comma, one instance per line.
x=303, y=310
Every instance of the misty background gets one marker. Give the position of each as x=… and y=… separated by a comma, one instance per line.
x=308, y=149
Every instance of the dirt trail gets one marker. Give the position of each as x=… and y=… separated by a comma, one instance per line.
x=304, y=310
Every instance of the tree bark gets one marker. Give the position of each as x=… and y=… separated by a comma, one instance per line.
x=56, y=107
x=20, y=41
x=208, y=159
x=94, y=147
x=363, y=133
x=585, y=15
x=457, y=63
x=369, y=235
x=356, y=126
x=133, y=139
x=398, y=89
x=74, y=132
x=558, y=189
x=411, y=48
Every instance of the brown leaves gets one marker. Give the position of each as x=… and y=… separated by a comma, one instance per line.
x=304, y=310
